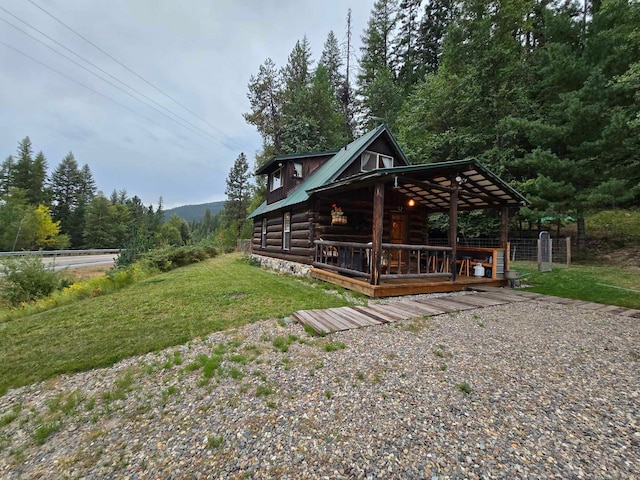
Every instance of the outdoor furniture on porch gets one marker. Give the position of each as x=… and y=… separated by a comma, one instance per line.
x=465, y=266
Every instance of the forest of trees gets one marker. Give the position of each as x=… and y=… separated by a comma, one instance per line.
x=544, y=93
x=64, y=210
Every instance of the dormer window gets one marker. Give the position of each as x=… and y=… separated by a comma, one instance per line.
x=371, y=161
x=297, y=170
x=276, y=180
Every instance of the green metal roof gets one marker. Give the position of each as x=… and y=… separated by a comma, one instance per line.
x=326, y=173
x=292, y=156
x=430, y=184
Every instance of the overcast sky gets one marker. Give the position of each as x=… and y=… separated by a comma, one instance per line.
x=200, y=53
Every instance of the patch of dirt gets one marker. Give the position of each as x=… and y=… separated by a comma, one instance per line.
x=627, y=257
x=86, y=273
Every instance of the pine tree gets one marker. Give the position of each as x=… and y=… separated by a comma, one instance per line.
x=238, y=193
x=24, y=166
x=265, y=97
x=378, y=94
x=87, y=185
x=37, y=192
x=331, y=60
x=406, y=55
x=65, y=185
x=101, y=224
x=438, y=15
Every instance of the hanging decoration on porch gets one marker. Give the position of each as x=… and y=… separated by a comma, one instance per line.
x=337, y=215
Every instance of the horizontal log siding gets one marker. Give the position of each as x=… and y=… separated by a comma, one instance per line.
x=300, y=246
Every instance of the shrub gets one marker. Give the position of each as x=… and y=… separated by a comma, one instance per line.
x=132, y=251
x=26, y=278
x=168, y=258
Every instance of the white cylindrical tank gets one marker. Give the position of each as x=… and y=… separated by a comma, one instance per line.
x=478, y=270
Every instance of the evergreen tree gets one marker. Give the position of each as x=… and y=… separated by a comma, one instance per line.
x=376, y=70
x=65, y=185
x=331, y=60
x=87, y=185
x=23, y=167
x=265, y=97
x=438, y=15
x=37, y=192
x=238, y=193
x=406, y=59
x=101, y=229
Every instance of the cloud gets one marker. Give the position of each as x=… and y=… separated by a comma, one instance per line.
x=201, y=54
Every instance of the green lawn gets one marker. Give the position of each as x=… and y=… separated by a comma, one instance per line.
x=602, y=284
x=156, y=313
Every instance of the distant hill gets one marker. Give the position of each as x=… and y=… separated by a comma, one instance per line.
x=190, y=213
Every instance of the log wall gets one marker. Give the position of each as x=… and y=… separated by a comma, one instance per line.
x=301, y=248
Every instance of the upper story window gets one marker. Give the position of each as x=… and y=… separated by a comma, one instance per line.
x=297, y=170
x=371, y=161
x=276, y=180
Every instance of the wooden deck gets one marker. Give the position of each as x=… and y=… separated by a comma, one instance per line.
x=346, y=318
x=409, y=286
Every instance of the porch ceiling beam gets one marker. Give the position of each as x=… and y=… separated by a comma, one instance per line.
x=461, y=192
x=426, y=185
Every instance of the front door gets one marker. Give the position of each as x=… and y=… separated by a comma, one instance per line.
x=399, y=230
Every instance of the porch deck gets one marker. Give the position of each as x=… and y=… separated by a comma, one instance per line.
x=404, y=286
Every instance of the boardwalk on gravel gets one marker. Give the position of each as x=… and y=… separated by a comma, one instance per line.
x=346, y=318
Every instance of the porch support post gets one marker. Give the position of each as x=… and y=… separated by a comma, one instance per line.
x=504, y=227
x=453, y=228
x=376, y=248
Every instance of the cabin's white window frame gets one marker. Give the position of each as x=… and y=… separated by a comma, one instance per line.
x=297, y=170
x=263, y=239
x=276, y=180
x=370, y=161
x=286, y=231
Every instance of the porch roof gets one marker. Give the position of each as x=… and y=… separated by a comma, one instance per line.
x=431, y=185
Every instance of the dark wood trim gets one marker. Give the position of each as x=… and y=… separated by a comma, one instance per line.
x=453, y=228
x=378, y=227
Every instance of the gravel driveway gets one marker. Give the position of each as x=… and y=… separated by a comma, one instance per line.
x=526, y=390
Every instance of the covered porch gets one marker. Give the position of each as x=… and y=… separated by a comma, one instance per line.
x=391, y=255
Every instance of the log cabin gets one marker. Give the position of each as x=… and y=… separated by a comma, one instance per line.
x=359, y=217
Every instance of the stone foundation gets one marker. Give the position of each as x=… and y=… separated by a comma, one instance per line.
x=283, y=266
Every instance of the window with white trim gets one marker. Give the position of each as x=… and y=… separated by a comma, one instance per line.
x=276, y=180
x=371, y=161
x=297, y=170
x=263, y=240
x=286, y=231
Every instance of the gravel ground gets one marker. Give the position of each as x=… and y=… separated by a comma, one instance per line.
x=527, y=390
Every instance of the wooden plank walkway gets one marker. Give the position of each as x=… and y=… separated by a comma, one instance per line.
x=346, y=318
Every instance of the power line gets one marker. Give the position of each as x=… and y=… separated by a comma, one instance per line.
x=113, y=84
x=110, y=75
x=129, y=69
x=81, y=84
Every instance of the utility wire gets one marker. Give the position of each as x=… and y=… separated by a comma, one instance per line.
x=82, y=85
x=130, y=70
x=109, y=82
x=106, y=73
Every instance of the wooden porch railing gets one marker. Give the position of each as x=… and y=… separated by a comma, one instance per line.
x=398, y=260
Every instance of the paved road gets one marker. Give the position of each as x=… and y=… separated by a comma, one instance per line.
x=80, y=261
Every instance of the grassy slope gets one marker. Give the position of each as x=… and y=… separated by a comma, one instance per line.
x=586, y=283
x=161, y=311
